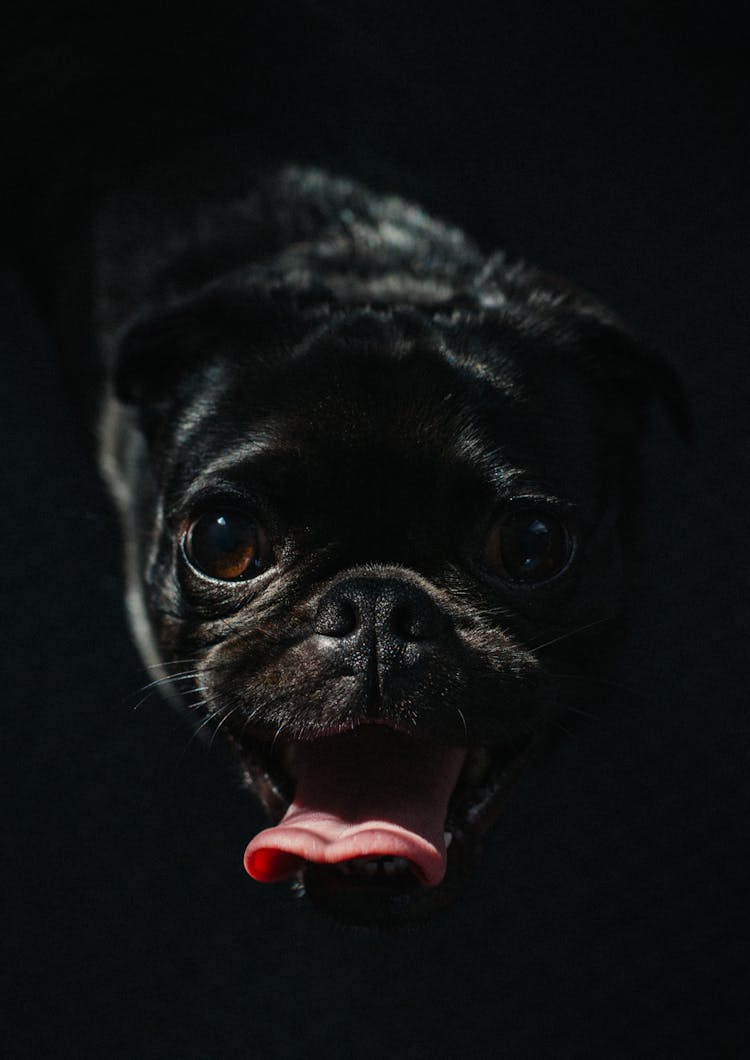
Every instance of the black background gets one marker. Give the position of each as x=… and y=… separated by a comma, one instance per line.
x=609, y=917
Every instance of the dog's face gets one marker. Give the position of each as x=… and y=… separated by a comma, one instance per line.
x=370, y=540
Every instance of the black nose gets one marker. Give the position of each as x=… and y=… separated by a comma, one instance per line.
x=386, y=611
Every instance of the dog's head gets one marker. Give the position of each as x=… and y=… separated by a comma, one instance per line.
x=366, y=540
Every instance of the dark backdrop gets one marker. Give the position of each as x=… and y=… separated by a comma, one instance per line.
x=609, y=917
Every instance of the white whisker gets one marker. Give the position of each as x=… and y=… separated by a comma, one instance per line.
x=570, y=633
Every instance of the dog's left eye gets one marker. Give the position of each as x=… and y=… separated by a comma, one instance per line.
x=228, y=545
x=528, y=546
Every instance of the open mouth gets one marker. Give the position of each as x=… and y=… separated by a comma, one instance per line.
x=376, y=825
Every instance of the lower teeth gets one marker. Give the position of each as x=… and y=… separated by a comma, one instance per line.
x=389, y=866
x=371, y=866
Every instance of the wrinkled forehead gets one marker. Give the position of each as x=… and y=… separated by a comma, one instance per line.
x=419, y=432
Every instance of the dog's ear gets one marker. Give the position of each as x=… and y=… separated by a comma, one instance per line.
x=578, y=325
x=626, y=368
x=156, y=352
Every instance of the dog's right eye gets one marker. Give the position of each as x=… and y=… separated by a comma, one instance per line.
x=228, y=545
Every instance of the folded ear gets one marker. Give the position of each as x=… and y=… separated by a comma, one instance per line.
x=583, y=329
x=617, y=361
x=157, y=352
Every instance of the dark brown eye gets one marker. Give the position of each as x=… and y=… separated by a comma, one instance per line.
x=229, y=545
x=528, y=546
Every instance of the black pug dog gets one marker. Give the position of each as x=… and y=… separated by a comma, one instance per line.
x=373, y=487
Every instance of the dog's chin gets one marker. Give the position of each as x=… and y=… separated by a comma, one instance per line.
x=376, y=889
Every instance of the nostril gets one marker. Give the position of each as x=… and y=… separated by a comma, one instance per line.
x=402, y=622
x=337, y=618
x=410, y=622
x=347, y=619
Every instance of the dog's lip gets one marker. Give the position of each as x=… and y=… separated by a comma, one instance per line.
x=486, y=769
x=273, y=769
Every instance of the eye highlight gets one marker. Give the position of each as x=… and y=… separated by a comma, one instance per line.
x=528, y=546
x=228, y=544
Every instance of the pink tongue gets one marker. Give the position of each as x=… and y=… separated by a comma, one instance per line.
x=369, y=793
